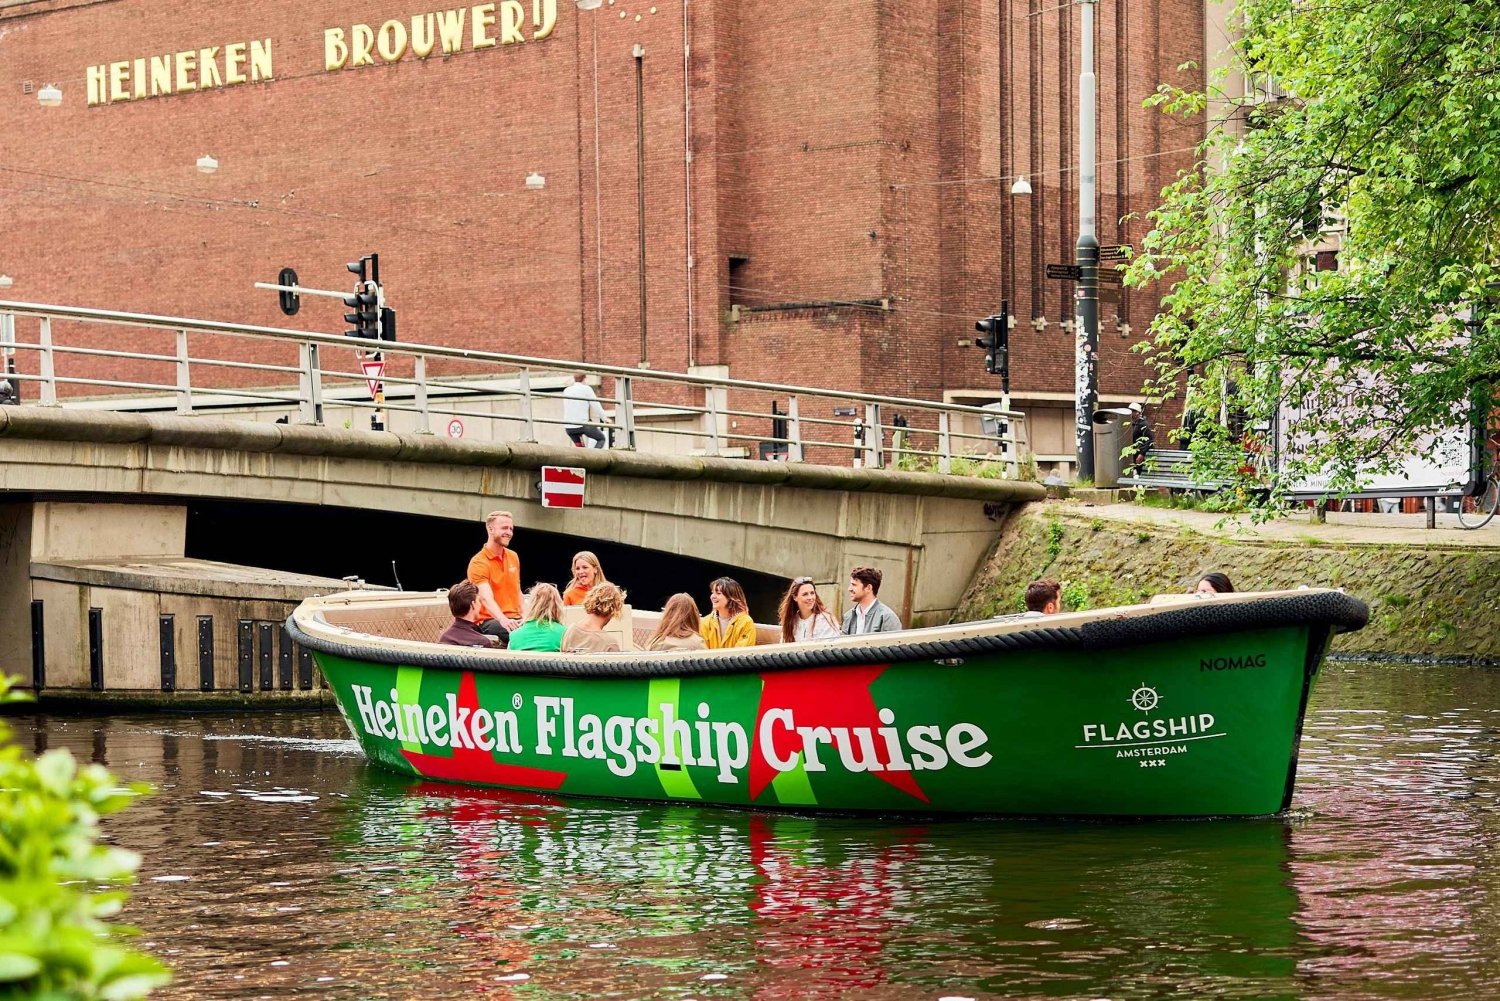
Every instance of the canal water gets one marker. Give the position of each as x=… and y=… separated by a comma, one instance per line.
x=276, y=863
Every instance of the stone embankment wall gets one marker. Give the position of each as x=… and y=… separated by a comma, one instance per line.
x=1425, y=601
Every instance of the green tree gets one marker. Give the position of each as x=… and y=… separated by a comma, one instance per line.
x=54, y=940
x=1391, y=115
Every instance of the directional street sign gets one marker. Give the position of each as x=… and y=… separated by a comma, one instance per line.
x=1111, y=275
x=1064, y=272
x=1116, y=252
x=562, y=486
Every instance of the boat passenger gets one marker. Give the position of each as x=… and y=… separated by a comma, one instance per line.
x=586, y=573
x=1043, y=597
x=678, y=629
x=1214, y=583
x=602, y=605
x=729, y=623
x=803, y=616
x=543, y=629
x=463, y=602
x=869, y=614
x=496, y=571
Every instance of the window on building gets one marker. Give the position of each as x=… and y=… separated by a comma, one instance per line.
x=738, y=294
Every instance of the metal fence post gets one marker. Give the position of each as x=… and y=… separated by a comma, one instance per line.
x=625, y=409
x=945, y=444
x=184, y=377
x=711, y=413
x=46, y=364
x=310, y=395
x=1012, y=450
x=419, y=377
x=528, y=417
x=793, y=431
x=874, y=437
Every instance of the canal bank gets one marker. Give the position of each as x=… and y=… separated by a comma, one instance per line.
x=1433, y=593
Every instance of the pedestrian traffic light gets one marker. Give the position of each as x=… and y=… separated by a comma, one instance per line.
x=996, y=340
x=387, y=323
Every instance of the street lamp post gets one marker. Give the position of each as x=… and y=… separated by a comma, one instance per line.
x=1086, y=297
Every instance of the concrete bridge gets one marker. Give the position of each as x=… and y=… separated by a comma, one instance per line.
x=81, y=491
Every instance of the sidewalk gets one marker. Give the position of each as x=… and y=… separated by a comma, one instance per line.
x=1342, y=528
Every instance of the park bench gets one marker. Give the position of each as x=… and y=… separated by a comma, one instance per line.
x=1167, y=467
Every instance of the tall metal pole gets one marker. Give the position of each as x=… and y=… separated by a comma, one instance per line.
x=1086, y=313
x=639, y=52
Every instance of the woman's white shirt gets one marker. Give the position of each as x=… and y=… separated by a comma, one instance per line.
x=816, y=627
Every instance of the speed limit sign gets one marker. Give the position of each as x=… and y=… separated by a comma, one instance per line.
x=455, y=428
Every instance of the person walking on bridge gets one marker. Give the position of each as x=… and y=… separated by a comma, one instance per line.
x=496, y=571
x=582, y=413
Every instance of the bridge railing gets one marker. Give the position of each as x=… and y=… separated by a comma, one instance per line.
x=68, y=356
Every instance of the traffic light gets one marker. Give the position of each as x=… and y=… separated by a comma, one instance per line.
x=365, y=302
x=366, y=317
x=996, y=341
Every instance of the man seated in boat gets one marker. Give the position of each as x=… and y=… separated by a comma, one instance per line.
x=1043, y=597
x=869, y=614
x=463, y=602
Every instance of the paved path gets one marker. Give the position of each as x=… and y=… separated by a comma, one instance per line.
x=1341, y=529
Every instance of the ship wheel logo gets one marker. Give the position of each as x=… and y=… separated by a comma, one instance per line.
x=1144, y=698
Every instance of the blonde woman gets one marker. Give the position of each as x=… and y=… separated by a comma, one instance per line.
x=586, y=573
x=542, y=629
x=678, y=629
x=602, y=605
x=729, y=623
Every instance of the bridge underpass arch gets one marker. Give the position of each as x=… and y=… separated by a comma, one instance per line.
x=432, y=552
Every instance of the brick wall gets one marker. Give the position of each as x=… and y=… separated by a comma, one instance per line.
x=844, y=152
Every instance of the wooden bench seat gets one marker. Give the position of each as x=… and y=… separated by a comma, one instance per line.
x=1168, y=467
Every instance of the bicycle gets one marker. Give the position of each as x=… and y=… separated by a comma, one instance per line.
x=1477, y=505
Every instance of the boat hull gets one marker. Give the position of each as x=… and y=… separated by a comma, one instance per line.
x=1205, y=725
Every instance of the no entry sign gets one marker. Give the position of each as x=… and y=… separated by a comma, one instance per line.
x=562, y=486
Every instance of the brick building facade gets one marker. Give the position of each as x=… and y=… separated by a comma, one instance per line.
x=826, y=185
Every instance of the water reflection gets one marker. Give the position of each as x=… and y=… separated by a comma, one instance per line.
x=277, y=863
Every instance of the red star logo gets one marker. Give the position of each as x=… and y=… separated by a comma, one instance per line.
x=471, y=765
x=825, y=696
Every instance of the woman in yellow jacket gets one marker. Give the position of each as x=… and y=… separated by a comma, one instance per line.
x=729, y=623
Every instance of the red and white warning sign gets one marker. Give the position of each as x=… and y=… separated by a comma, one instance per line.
x=562, y=486
x=374, y=373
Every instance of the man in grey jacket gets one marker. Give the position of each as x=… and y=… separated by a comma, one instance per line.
x=869, y=614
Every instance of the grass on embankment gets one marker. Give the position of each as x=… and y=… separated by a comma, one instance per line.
x=1424, y=601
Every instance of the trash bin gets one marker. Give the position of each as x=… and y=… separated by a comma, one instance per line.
x=1111, y=429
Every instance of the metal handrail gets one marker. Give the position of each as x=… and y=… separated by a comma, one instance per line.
x=714, y=415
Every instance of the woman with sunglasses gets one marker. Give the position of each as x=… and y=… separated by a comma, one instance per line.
x=803, y=616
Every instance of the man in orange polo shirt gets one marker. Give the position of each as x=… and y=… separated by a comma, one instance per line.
x=496, y=571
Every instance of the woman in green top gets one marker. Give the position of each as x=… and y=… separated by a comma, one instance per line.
x=542, y=629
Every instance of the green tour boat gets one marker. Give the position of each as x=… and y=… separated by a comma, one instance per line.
x=1187, y=707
